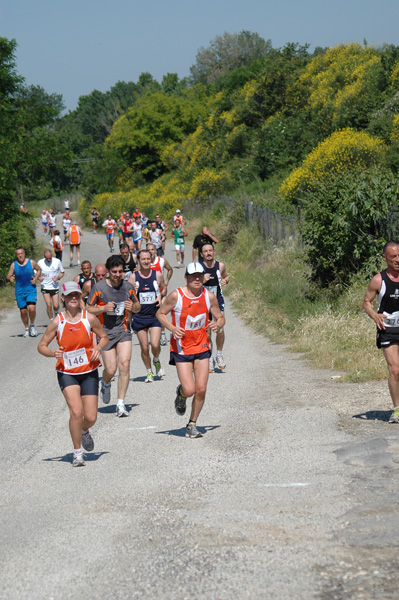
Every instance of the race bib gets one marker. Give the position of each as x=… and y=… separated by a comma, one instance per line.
x=180, y=240
x=119, y=309
x=197, y=322
x=75, y=358
x=147, y=297
x=391, y=320
x=213, y=289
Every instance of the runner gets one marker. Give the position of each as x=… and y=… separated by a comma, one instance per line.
x=51, y=221
x=148, y=285
x=178, y=220
x=120, y=226
x=66, y=222
x=74, y=235
x=67, y=204
x=114, y=298
x=179, y=233
x=100, y=272
x=136, y=213
x=86, y=274
x=127, y=232
x=110, y=225
x=78, y=358
x=205, y=237
x=156, y=236
x=43, y=219
x=94, y=218
x=51, y=273
x=129, y=259
x=215, y=278
x=144, y=220
x=161, y=264
x=57, y=244
x=385, y=285
x=137, y=230
x=189, y=348
x=164, y=228
x=25, y=272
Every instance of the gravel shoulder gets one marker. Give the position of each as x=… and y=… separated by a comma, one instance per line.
x=290, y=493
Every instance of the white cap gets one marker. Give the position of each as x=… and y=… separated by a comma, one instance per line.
x=194, y=267
x=69, y=287
x=178, y=210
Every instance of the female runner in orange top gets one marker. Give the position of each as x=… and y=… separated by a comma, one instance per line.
x=189, y=348
x=78, y=358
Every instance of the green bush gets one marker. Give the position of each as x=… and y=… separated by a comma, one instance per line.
x=19, y=230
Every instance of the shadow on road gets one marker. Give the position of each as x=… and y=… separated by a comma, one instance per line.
x=111, y=408
x=89, y=457
x=374, y=415
x=182, y=432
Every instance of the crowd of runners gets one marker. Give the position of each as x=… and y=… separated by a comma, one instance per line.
x=109, y=302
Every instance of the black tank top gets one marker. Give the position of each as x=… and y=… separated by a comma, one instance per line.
x=213, y=282
x=83, y=279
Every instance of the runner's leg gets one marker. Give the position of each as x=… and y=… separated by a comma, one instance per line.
x=124, y=352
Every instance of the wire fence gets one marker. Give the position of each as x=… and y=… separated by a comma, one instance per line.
x=271, y=225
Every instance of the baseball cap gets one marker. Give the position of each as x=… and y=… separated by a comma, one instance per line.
x=69, y=287
x=178, y=210
x=194, y=267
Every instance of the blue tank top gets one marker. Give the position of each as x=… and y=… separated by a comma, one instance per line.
x=23, y=275
x=147, y=293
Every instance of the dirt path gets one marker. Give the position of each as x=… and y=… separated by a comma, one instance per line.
x=290, y=493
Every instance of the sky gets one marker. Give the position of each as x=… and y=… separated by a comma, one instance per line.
x=73, y=47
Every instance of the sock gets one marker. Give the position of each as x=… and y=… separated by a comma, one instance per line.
x=78, y=450
x=84, y=431
x=192, y=422
x=120, y=401
x=218, y=352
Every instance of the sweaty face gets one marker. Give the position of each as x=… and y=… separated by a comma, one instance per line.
x=20, y=255
x=86, y=269
x=116, y=275
x=100, y=274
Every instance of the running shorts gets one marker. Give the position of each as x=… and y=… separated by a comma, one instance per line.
x=25, y=297
x=144, y=322
x=179, y=247
x=385, y=338
x=119, y=336
x=88, y=382
x=51, y=292
x=175, y=357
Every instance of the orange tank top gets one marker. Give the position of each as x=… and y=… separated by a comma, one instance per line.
x=77, y=341
x=74, y=235
x=192, y=314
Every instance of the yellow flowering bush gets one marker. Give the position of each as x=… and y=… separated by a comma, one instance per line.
x=345, y=150
x=395, y=129
x=209, y=182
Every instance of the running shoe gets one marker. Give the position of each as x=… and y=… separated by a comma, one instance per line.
x=87, y=441
x=78, y=460
x=192, y=431
x=394, y=418
x=71, y=264
x=121, y=410
x=180, y=402
x=78, y=263
x=105, y=392
x=32, y=331
x=150, y=377
x=164, y=341
x=178, y=265
x=220, y=361
x=158, y=368
x=211, y=364
x=26, y=333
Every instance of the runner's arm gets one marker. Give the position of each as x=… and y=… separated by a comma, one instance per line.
x=169, y=272
x=97, y=328
x=371, y=292
x=10, y=275
x=164, y=310
x=216, y=313
x=225, y=277
x=38, y=270
x=49, y=335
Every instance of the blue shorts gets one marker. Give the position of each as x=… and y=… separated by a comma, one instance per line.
x=144, y=322
x=26, y=296
x=110, y=236
x=174, y=357
x=128, y=235
x=88, y=382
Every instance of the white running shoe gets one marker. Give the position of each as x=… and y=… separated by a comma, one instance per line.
x=164, y=341
x=220, y=361
x=211, y=364
x=150, y=377
x=78, y=460
x=158, y=368
x=121, y=410
x=32, y=331
x=26, y=332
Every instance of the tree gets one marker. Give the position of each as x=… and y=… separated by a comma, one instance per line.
x=228, y=52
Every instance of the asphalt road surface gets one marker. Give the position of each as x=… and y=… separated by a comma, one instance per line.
x=291, y=493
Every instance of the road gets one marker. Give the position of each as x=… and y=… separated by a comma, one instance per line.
x=290, y=493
